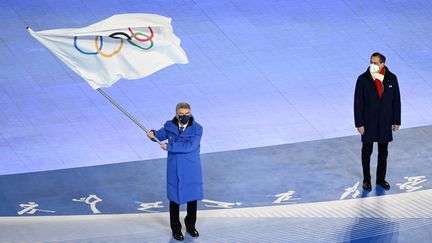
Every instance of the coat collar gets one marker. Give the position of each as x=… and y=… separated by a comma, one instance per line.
x=174, y=128
x=385, y=81
x=386, y=74
x=176, y=121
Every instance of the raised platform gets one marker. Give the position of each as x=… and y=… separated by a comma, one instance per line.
x=267, y=193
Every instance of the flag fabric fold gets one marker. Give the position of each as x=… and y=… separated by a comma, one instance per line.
x=129, y=46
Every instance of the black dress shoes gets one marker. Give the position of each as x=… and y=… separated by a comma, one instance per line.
x=367, y=186
x=178, y=236
x=384, y=184
x=193, y=232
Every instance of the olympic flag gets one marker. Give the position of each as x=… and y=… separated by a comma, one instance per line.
x=127, y=46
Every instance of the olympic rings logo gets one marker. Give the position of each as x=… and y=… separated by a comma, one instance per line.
x=118, y=35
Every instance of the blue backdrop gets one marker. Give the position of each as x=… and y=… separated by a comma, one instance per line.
x=260, y=73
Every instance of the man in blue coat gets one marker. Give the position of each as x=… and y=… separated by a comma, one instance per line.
x=377, y=113
x=184, y=176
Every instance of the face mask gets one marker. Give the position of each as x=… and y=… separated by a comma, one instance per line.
x=374, y=68
x=184, y=119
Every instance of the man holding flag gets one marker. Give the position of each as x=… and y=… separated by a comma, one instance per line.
x=184, y=176
x=133, y=46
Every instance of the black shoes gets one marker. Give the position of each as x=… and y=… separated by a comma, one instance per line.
x=384, y=184
x=367, y=186
x=193, y=232
x=178, y=236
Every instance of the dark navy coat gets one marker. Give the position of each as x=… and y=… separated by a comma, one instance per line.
x=377, y=114
x=184, y=176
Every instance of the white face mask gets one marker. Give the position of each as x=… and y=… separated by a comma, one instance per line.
x=374, y=68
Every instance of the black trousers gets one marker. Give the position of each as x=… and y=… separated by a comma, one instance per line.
x=190, y=219
x=367, y=149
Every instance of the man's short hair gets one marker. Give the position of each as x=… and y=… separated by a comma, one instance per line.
x=182, y=105
x=381, y=56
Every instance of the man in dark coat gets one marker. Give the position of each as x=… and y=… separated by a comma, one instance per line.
x=377, y=113
x=184, y=176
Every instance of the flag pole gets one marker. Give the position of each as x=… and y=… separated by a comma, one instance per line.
x=126, y=113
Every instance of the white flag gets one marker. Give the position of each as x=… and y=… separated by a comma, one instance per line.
x=127, y=46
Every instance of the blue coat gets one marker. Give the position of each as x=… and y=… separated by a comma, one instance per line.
x=377, y=114
x=184, y=176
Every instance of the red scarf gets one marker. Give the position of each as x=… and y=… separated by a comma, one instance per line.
x=379, y=84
